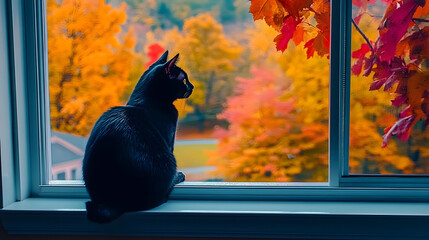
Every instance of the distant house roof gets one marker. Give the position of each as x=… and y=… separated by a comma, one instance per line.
x=66, y=147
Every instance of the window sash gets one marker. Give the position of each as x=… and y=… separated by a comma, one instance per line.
x=38, y=97
x=34, y=16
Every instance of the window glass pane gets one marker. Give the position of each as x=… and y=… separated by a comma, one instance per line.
x=389, y=88
x=256, y=114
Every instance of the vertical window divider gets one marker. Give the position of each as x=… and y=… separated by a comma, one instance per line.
x=45, y=128
x=346, y=18
x=7, y=173
x=339, y=91
x=38, y=109
x=19, y=81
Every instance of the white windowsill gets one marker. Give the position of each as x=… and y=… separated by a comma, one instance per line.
x=196, y=218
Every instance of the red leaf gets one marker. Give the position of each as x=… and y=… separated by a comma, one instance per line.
x=286, y=33
x=401, y=129
x=394, y=25
x=322, y=40
x=293, y=7
x=381, y=74
x=272, y=11
x=369, y=64
x=360, y=53
x=319, y=44
x=357, y=67
x=310, y=48
x=399, y=100
x=390, y=81
x=298, y=35
x=405, y=112
x=376, y=84
x=397, y=64
x=357, y=18
x=399, y=72
x=361, y=3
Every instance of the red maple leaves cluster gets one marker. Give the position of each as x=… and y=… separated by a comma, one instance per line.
x=397, y=58
x=292, y=18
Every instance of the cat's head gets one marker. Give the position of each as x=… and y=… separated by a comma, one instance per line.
x=162, y=82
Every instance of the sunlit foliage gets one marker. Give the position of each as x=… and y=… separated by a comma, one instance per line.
x=88, y=63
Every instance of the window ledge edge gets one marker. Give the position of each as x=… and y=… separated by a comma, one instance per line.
x=245, y=219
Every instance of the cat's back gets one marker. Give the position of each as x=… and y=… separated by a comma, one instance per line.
x=125, y=129
x=124, y=138
x=121, y=119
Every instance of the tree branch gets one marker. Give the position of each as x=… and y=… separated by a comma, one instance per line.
x=363, y=35
x=419, y=20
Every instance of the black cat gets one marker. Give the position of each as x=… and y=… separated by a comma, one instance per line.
x=129, y=163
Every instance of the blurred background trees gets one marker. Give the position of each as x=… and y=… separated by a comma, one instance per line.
x=88, y=62
x=267, y=110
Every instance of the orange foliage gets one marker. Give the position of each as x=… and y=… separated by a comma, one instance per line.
x=208, y=57
x=254, y=146
x=265, y=140
x=88, y=64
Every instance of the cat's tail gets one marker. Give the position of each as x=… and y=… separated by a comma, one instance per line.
x=102, y=213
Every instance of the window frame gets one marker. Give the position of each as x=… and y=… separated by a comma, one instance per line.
x=278, y=210
x=30, y=140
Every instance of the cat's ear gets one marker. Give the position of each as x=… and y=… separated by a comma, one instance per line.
x=170, y=64
x=161, y=60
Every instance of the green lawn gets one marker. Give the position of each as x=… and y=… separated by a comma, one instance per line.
x=189, y=156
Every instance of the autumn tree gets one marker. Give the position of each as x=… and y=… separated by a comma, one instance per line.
x=208, y=56
x=255, y=146
x=88, y=63
x=306, y=86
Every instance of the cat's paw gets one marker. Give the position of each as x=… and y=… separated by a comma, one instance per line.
x=180, y=177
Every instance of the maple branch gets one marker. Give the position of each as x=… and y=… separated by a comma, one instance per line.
x=363, y=35
x=419, y=20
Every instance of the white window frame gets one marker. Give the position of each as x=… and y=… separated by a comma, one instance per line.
x=31, y=112
x=25, y=145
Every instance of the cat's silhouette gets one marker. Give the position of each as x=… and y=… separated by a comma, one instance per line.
x=129, y=163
